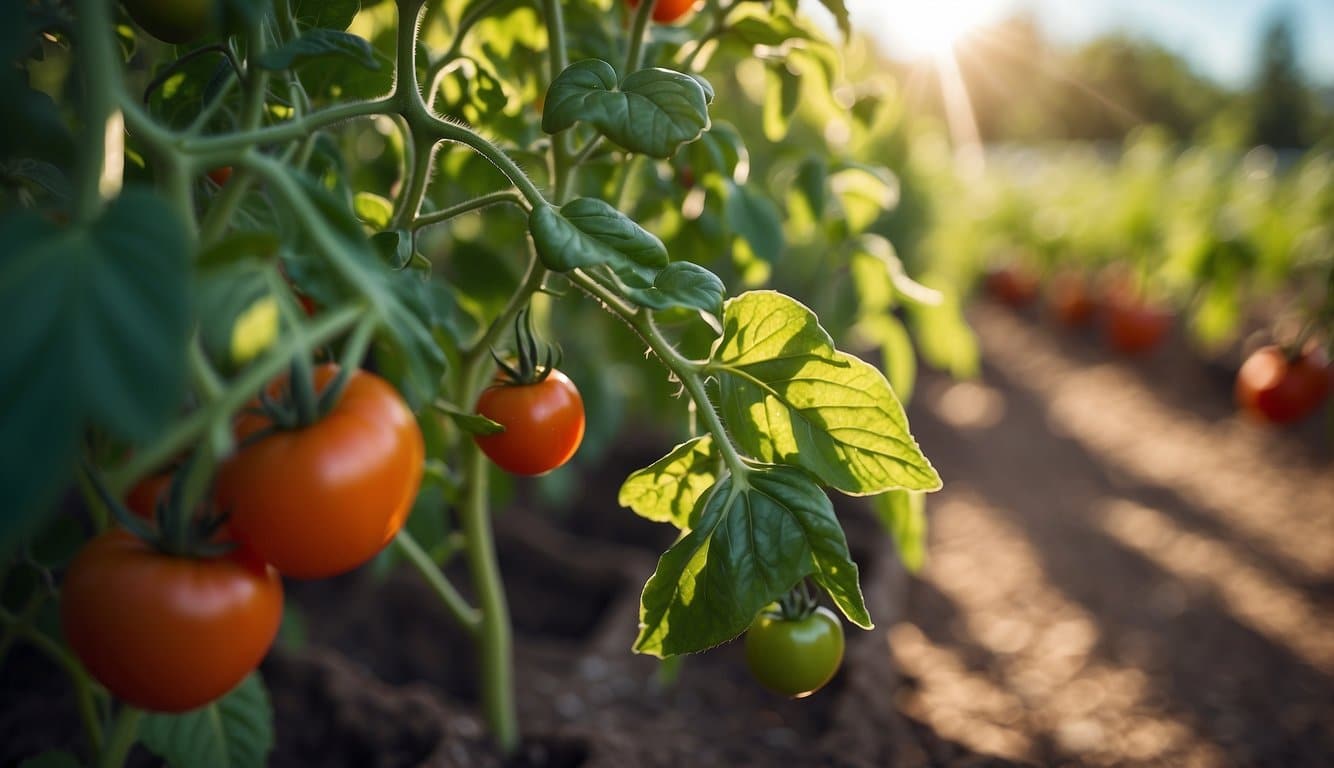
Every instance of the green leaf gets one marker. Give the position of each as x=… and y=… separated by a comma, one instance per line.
x=789, y=397
x=764, y=29
x=97, y=322
x=235, y=731
x=587, y=232
x=653, y=112
x=668, y=490
x=782, y=90
x=394, y=247
x=224, y=295
x=331, y=14
x=472, y=423
x=905, y=287
x=896, y=349
x=373, y=210
x=603, y=222
x=903, y=513
x=943, y=337
x=839, y=10
x=683, y=284
x=752, y=544
x=755, y=218
x=319, y=43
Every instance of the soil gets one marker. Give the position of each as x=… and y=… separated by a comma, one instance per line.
x=1121, y=572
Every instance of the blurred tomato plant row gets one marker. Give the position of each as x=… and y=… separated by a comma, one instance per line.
x=284, y=278
x=1233, y=246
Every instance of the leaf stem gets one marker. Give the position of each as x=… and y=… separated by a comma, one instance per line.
x=634, y=57
x=506, y=196
x=686, y=371
x=466, y=615
x=122, y=738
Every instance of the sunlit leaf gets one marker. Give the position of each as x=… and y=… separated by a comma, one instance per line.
x=667, y=490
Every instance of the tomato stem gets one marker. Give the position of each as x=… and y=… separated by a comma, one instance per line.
x=466, y=615
x=83, y=687
x=494, y=641
x=122, y=738
x=634, y=57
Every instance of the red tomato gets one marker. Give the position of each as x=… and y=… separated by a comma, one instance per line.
x=544, y=424
x=221, y=175
x=1272, y=388
x=323, y=499
x=1070, y=300
x=1135, y=327
x=668, y=11
x=1012, y=286
x=167, y=633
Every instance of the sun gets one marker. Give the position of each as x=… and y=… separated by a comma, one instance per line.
x=916, y=29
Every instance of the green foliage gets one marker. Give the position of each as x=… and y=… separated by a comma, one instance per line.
x=752, y=544
x=235, y=731
x=92, y=341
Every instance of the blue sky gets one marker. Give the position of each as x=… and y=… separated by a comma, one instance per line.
x=1218, y=36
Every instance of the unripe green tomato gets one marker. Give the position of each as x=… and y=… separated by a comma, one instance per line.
x=794, y=657
x=172, y=21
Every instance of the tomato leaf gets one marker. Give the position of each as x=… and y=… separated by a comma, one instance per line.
x=91, y=338
x=839, y=10
x=781, y=92
x=373, y=210
x=235, y=731
x=903, y=514
x=667, y=490
x=587, y=232
x=652, y=113
x=332, y=14
x=683, y=284
x=788, y=396
x=752, y=544
x=319, y=43
x=755, y=218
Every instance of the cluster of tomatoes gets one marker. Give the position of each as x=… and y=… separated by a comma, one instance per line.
x=1273, y=385
x=170, y=630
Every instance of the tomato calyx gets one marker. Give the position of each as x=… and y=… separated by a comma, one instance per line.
x=796, y=605
x=175, y=528
x=529, y=368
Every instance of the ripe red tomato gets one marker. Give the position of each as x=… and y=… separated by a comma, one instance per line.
x=323, y=499
x=172, y=21
x=668, y=11
x=794, y=657
x=544, y=424
x=1070, y=300
x=1272, y=388
x=221, y=175
x=1012, y=286
x=1135, y=327
x=167, y=633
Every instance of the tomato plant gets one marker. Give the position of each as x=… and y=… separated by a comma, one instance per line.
x=1281, y=388
x=795, y=653
x=321, y=498
x=427, y=175
x=1070, y=300
x=164, y=632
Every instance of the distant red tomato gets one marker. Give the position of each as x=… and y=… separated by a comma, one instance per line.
x=668, y=11
x=1013, y=286
x=144, y=497
x=1273, y=388
x=221, y=175
x=1070, y=300
x=1135, y=327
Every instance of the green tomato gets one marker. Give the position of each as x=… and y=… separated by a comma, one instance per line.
x=172, y=21
x=794, y=657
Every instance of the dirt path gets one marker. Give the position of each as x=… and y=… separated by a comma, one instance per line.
x=1118, y=576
